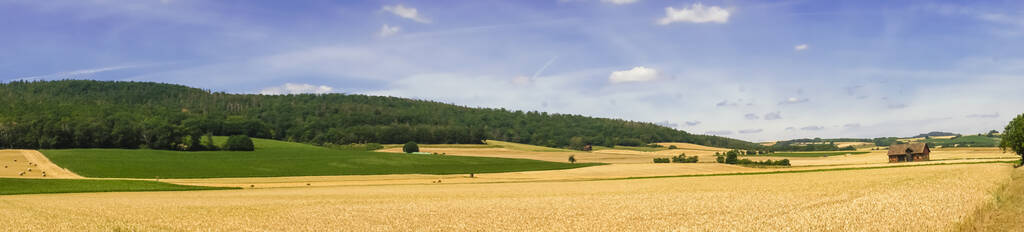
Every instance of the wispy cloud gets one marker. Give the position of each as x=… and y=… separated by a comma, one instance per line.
x=751, y=116
x=992, y=115
x=751, y=131
x=812, y=128
x=793, y=100
x=406, y=12
x=696, y=13
x=773, y=116
x=83, y=73
x=620, y=2
x=692, y=123
x=719, y=132
x=387, y=30
x=800, y=47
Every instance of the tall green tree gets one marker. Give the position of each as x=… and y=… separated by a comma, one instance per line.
x=1013, y=137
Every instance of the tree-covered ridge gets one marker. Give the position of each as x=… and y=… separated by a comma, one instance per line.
x=85, y=113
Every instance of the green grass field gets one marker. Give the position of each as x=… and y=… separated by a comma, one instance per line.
x=9, y=186
x=275, y=158
x=814, y=154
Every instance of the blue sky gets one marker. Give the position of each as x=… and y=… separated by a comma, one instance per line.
x=755, y=70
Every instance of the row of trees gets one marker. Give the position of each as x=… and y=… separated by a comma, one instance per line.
x=793, y=146
x=681, y=158
x=83, y=114
x=732, y=157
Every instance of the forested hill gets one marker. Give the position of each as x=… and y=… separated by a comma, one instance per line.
x=84, y=113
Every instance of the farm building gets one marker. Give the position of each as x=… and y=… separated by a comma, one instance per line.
x=909, y=152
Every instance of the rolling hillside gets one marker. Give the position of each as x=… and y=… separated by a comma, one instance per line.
x=103, y=114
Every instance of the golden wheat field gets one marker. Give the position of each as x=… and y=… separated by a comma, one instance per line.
x=927, y=198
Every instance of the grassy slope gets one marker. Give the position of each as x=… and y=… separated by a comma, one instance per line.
x=814, y=154
x=10, y=186
x=1005, y=213
x=276, y=158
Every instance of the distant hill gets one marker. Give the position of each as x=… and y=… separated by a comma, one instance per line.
x=86, y=114
x=935, y=138
x=935, y=134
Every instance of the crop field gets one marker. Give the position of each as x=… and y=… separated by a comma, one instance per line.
x=275, y=158
x=938, y=197
x=10, y=186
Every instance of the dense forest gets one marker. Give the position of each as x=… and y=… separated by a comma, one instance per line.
x=85, y=114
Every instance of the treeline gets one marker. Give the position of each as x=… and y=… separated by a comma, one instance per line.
x=732, y=157
x=85, y=114
x=790, y=146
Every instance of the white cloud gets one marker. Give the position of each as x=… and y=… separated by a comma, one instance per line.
x=692, y=123
x=696, y=13
x=620, y=2
x=290, y=88
x=387, y=30
x=637, y=74
x=793, y=100
x=773, y=116
x=406, y=12
x=801, y=47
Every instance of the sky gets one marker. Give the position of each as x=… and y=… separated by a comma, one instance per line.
x=753, y=70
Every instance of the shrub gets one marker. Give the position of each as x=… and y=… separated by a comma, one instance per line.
x=410, y=147
x=731, y=157
x=572, y=159
x=720, y=159
x=673, y=147
x=653, y=145
x=784, y=162
x=239, y=143
x=681, y=158
x=661, y=160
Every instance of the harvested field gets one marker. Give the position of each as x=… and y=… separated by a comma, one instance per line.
x=937, y=197
x=39, y=164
